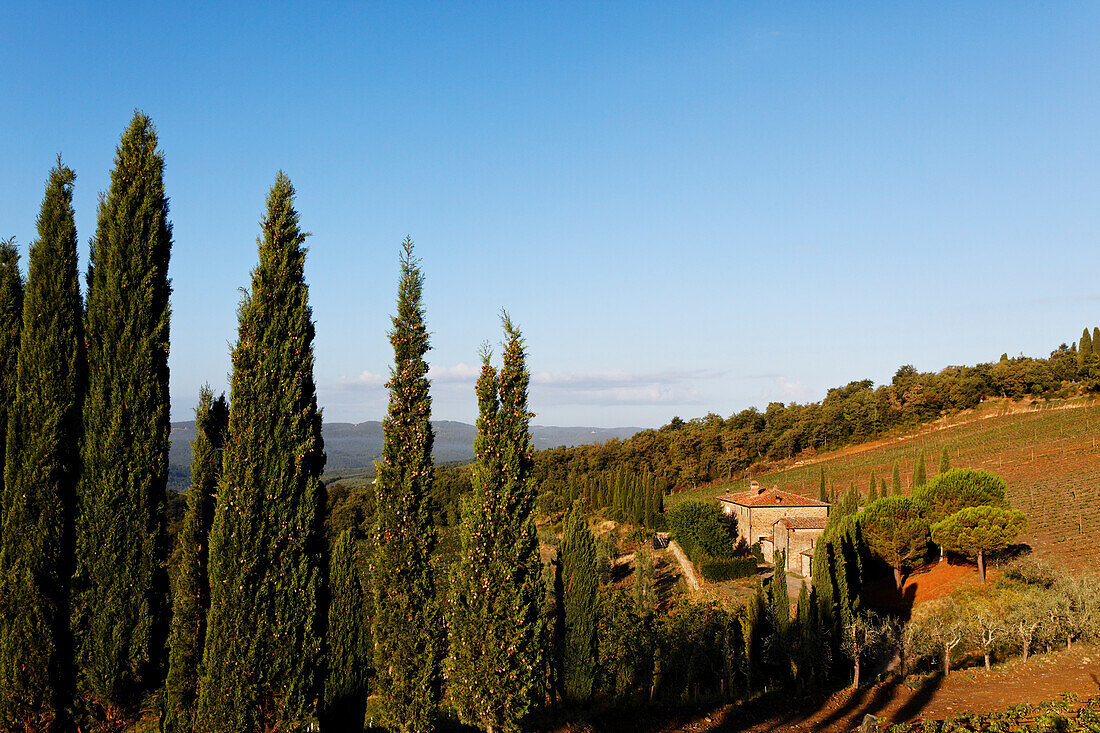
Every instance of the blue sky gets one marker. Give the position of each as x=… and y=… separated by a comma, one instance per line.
x=687, y=207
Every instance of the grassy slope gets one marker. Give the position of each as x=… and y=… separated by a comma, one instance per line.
x=1049, y=454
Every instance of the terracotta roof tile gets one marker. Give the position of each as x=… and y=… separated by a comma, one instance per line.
x=769, y=497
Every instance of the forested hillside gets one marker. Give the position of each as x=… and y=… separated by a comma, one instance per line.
x=687, y=453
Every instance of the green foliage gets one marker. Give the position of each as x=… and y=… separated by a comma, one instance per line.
x=191, y=592
x=779, y=603
x=644, y=586
x=701, y=530
x=894, y=530
x=895, y=480
x=978, y=530
x=265, y=632
x=11, y=325
x=1084, y=349
x=957, y=489
x=120, y=584
x=350, y=652
x=407, y=644
x=579, y=584
x=495, y=590
x=920, y=472
x=43, y=432
x=945, y=461
x=714, y=571
x=822, y=493
x=625, y=652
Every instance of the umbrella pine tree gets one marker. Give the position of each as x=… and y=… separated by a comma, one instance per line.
x=265, y=631
x=407, y=643
x=120, y=582
x=41, y=469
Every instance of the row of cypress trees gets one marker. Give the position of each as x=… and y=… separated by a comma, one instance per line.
x=256, y=638
x=83, y=585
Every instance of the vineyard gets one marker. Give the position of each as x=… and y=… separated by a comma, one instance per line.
x=1048, y=454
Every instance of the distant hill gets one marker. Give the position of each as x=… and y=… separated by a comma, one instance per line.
x=1047, y=452
x=353, y=446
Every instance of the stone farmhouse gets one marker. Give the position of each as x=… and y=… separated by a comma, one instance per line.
x=779, y=521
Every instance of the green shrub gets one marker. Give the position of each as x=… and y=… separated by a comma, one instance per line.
x=714, y=571
x=701, y=530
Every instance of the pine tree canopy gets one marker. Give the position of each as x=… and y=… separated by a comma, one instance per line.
x=979, y=530
x=120, y=584
x=894, y=530
x=407, y=644
x=262, y=658
x=496, y=597
x=957, y=489
x=41, y=469
x=191, y=591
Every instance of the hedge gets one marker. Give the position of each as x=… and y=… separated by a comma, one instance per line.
x=714, y=571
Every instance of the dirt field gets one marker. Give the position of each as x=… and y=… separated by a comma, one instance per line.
x=1043, y=677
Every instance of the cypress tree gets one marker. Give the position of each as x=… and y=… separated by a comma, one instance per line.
x=872, y=490
x=265, y=629
x=43, y=456
x=496, y=585
x=882, y=487
x=120, y=583
x=1084, y=349
x=407, y=646
x=895, y=480
x=11, y=325
x=822, y=494
x=191, y=594
x=945, y=461
x=1095, y=340
x=579, y=586
x=920, y=472
x=349, y=642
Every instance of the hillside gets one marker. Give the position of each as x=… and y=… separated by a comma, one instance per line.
x=352, y=446
x=1047, y=452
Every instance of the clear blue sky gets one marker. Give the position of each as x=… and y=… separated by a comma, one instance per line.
x=687, y=207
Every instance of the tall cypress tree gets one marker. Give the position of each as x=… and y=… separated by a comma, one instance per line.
x=191, y=594
x=407, y=643
x=11, y=325
x=43, y=456
x=580, y=579
x=120, y=584
x=1084, y=349
x=895, y=480
x=1096, y=340
x=350, y=656
x=920, y=472
x=945, y=461
x=822, y=494
x=496, y=587
x=265, y=631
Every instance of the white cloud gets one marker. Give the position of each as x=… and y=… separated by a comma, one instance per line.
x=366, y=378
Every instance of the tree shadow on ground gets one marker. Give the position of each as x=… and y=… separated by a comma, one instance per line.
x=920, y=699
